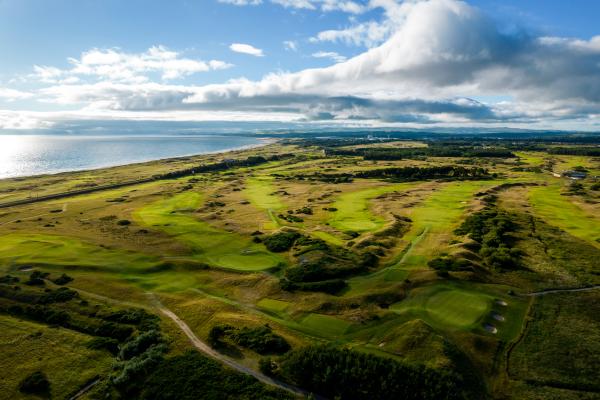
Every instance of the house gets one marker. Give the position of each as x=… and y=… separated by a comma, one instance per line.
x=574, y=174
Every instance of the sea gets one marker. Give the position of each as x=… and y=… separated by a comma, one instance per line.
x=27, y=155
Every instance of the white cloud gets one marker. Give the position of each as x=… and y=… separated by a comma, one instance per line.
x=114, y=64
x=331, y=55
x=346, y=6
x=242, y=2
x=291, y=45
x=436, y=56
x=13, y=94
x=246, y=49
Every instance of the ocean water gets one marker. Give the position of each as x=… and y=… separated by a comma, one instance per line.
x=26, y=155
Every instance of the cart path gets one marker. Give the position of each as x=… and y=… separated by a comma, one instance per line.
x=209, y=351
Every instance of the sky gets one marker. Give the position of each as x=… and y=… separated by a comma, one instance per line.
x=325, y=63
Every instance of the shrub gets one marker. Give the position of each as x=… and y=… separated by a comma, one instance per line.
x=63, y=279
x=104, y=343
x=140, y=344
x=124, y=222
x=36, y=383
x=281, y=241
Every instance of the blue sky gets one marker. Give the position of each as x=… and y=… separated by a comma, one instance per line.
x=339, y=62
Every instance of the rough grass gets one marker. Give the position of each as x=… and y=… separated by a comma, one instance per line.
x=61, y=354
x=560, y=211
x=561, y=347
x=211, y=245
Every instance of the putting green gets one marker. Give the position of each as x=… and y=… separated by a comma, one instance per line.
x=446, y=307
x=62, y=250
x=209, y=244
x=353, y=212
x=559, y=211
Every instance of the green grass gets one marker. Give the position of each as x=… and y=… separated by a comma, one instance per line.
x=325, y=325
x=61, y=354
x=209, y=244
x=259, y=191
x=57, y=250
x=353, y=213
x=446, y=306
x=559, y=211
x=273, y=305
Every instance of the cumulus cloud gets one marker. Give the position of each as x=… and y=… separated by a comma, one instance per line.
x=436, y=58
x=7, y=94
x=332, y=55
x=246, y=49
x=115, y=64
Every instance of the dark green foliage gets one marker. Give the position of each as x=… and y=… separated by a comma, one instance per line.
x=8, y=279
x=595, y=186
x=433, y=150
x=59, y=295
x=36, y=383
x=331, y=286
x=351, y=375
x=575, y=151
x=260, y=339
x=192, y=376
x=290, y=218
x=575, y=188
x=281, y=241
x=129, y=375
x=113, y=330
x=133, y=316
x=63, y=279
x=490, y=228
x=447, y=264
x=124, y=222
x=104, y=343
x=140, y=344
x=36, y=278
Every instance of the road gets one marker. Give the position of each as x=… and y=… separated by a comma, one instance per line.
x=209, y=351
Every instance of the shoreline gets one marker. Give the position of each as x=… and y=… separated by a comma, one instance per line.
x=261, y=143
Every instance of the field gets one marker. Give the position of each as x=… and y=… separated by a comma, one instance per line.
x=318, y=247
x=28, y=347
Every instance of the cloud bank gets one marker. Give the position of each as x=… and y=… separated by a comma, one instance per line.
x=426, y=62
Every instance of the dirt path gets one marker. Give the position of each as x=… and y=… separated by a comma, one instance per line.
x=209, y=351
x=545, y=292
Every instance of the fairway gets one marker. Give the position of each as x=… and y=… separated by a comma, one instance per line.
x=273, y=305
x=325, y=325
x=259, y=191
x=210, y=245
x=557, y=210
x=446, y=307
x=353, y=213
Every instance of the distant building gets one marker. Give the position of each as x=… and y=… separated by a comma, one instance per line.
x=574, y=174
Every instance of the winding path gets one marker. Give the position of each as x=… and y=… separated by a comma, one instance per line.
x=209, y=351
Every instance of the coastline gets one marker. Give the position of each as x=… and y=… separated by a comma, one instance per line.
x=261, y=143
